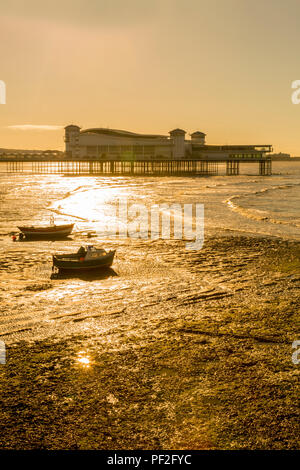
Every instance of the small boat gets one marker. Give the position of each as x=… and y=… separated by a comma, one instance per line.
x=53, y=231
x=86, y=259
x=48, y=231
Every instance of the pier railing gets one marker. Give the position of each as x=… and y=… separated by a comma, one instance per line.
x=133, y=168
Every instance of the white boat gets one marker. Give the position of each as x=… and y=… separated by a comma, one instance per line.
x=47, y=231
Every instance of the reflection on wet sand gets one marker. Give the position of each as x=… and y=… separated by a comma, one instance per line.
x=89, y=276
x=83, y=359
x=44, y=238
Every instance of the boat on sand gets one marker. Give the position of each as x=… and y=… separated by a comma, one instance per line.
x=48, y=231
x=52, y=231
x=86, y=259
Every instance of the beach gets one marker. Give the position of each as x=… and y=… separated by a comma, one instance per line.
x=171, y=349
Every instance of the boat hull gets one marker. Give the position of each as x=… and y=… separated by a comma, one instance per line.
x=72, y=264
x=57, y=231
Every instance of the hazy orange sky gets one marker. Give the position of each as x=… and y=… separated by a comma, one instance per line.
x=224, y=67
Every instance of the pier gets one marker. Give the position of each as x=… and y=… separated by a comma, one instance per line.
x=98, y=167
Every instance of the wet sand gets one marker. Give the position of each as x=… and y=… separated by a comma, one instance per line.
x=175, y=350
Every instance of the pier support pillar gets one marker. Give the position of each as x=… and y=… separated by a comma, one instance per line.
x=265, y=167
x=232, y=167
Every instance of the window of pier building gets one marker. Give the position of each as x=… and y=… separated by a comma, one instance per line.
x=246, y=155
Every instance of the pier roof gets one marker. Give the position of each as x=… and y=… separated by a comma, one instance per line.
x=177, y=132
x=121, y=133
x=197, y=134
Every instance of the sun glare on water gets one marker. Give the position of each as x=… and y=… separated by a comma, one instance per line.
x=90, y=202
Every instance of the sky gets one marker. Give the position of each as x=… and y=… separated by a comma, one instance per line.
x=224, y=67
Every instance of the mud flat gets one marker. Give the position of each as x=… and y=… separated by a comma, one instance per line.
x=188, y=368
